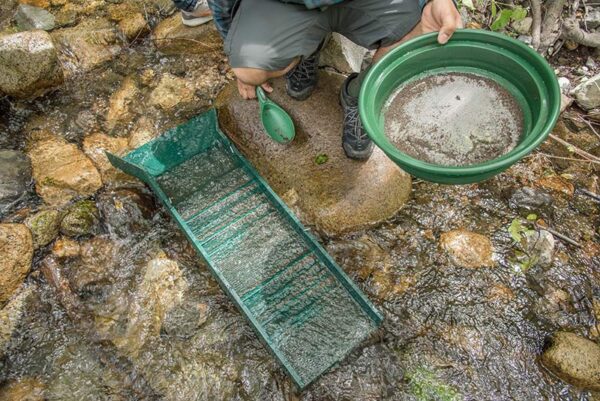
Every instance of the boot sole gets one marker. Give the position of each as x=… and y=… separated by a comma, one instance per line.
x=302, y=95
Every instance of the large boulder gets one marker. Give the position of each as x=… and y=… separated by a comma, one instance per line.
x=16, y=248
x=29, y=64
x=574, y=359
x=331, y=191
x=15, y=176
x=172, y=37
x=587, y=93
x=62, y=171
x=467, y=249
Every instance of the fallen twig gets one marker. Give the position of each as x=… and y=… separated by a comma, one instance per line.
x=558, y=235
x=592, y=195
x=575, y=149
x=589, y=124
x=568, y=158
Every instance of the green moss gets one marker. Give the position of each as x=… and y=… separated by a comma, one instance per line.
x=321, y=159
x=426, y=386
x=81, y=219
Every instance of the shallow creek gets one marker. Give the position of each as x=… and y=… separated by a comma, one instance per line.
x=450, y=333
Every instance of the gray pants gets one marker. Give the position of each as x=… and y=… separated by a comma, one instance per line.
x=270, y=34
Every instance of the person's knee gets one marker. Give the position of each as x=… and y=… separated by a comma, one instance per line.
x=251, y=76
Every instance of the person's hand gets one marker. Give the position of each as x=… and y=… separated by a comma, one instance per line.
x=443, y=17
x=248, y=91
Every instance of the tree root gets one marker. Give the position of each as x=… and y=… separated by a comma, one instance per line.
x=536, y=26
x=572, y=31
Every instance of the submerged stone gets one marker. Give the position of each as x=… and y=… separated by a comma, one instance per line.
x=468, y=249
x=15, y=176
x=338, y=196
x=574, y=359
x=29, y=18
x=81, y=219
x=172, y=37
x=62, y=171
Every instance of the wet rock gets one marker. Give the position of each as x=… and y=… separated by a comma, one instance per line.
x=161, y=290
x=11, y=315
x=87, y=46
x=587, y=93
x=62, y=171
x=29, y=18
x=95, y=147
x=522, y=27
x=342, y=54
x=530, y=198
x=468, y=249
x=44, y=226
x=99, y=255
x=16, y=248
x=24, y=389
x=134, y=27
x=338, y=196
x=172, y=92
x=65, y=248
x=172, y=37
x=144, y=131
x=119, y=108
x=183, y=320
x=540, y=247
x=127, y=211
x=574, y=359
x=36, y=3
x=557, y=184
x=29, y=64
x=15, y=176
x=81, y=219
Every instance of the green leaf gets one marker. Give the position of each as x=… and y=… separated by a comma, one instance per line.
x=494, y=9
x=321, y=159
x=518, y=13
x=532, y=217
x=515, y=230
x=502, y=20
x=469, y=4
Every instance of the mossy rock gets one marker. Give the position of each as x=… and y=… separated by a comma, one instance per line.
x=81, y=219
x=44, y=226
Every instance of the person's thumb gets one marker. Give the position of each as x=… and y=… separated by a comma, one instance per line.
x=446, y=31
x=267, y=87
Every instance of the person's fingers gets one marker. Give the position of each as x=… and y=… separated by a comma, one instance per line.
x=267, y=87
x=447, y=30
x=459, y=22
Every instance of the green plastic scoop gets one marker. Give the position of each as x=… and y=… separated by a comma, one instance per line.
x=277, y=122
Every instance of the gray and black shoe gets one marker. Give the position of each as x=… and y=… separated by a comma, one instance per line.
x=302, y=79
x=355, y=140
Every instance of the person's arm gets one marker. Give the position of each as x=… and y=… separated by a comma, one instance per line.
x=441, y=16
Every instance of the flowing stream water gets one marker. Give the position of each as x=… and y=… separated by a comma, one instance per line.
x=450, y=333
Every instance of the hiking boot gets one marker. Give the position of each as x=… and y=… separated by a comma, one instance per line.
x=201, y=14
x=355, y=140
x=302, y=79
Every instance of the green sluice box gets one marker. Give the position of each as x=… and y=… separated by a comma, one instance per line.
x=301, y=304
